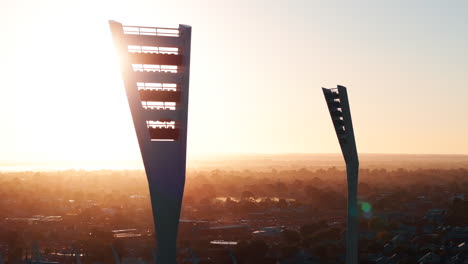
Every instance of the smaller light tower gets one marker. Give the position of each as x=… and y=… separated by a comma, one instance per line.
x=338, y=105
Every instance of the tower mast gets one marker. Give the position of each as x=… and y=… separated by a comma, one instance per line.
x=338, y=106
x=155, y=67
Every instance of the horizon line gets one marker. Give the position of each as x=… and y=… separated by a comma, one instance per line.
x=205, y=155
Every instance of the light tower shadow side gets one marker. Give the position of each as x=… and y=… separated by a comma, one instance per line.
x=155, y=68
x=340, y=113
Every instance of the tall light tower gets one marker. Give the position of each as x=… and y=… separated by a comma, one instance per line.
x=338, y=105
x=155, y=66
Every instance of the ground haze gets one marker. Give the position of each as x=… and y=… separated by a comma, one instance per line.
x=264, y=207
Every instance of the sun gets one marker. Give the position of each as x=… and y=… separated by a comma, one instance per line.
x=71, y=101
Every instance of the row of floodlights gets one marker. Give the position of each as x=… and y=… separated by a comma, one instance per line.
x=333, y=100
x=153, y=49
x=151, y=31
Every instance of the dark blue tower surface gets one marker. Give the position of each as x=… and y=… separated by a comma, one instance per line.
x=338, y=106
x=155, y=66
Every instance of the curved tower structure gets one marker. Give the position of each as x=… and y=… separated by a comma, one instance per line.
x=338, y=105
x=155, y=66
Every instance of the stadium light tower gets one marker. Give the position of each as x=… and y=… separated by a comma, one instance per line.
x=338, y=105
x=155, y=67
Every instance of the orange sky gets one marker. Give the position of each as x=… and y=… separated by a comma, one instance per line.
x=257, y=69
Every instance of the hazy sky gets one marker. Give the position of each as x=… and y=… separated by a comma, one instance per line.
x=257, y=68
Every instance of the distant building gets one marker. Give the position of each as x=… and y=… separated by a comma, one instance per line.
x=228, y=231
x=460, y=196
x=429, y=258
x=272, y=231
x=457, y=234
x=436, y=215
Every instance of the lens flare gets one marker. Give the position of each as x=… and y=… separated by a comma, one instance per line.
x=366, y=207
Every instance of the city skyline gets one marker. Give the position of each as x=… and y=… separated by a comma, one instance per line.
x=274, y=57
